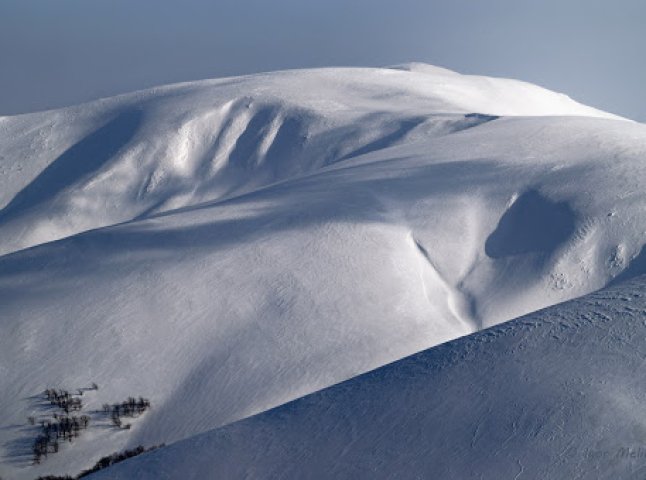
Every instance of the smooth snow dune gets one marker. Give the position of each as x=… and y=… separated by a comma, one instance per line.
x=556, y=394
x=113, y=160
x=228, y=246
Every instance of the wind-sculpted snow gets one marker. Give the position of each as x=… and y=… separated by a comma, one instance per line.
x=228, y=246
x=70, y=170
x=556, y=394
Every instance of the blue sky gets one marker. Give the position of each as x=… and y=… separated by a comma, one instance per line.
x=59, y=52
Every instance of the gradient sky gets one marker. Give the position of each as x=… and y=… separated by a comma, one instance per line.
x=59, y=52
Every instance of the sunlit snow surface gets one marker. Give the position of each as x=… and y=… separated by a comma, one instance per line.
x=226, y=246
x=558, y=394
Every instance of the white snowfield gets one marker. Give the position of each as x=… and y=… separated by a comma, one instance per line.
x=226, y=246
x=558, y=394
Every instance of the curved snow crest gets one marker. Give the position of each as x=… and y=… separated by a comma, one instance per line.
x=425, y=68
x=549, y=395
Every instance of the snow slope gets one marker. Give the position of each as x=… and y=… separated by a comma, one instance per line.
x=556, y=394
x=230, y=245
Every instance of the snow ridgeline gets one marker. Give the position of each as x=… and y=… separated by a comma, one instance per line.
x=230, y=245
x=105, y=162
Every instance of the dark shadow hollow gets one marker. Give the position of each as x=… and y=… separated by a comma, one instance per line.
x=533, y=224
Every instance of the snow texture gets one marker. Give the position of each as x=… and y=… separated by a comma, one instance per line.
x=556, y=394
x=226, y=246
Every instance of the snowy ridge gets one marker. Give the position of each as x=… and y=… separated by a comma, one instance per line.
x=113, y=160
x=555, y=394
x=226, y=246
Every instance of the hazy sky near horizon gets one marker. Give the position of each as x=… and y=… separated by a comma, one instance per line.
x=59, y=52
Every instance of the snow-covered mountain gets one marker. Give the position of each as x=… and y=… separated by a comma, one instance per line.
x=70, y=170
x=557, y=394
x=226, y=246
